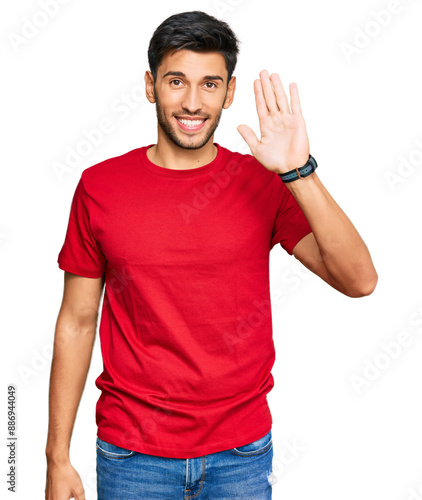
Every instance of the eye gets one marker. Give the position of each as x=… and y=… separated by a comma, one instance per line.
x=175, y=81
x=211, y=83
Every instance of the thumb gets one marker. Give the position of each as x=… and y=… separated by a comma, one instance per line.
x=248, y=135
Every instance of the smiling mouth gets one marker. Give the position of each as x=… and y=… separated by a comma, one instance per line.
x=191, y=123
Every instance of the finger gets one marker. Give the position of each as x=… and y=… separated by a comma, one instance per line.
x=249, y=136
x=261, y=105
x=78, y=493
x=294, y=99
x=268, y=90
x=281, y=97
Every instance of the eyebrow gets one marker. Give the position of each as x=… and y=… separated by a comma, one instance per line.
x=179, y=73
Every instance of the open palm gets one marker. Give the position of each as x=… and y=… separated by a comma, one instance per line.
x=284, y=143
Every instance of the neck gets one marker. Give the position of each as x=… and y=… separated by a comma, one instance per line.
x=168, y=155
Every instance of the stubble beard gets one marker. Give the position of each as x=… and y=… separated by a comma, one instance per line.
x=170, y=132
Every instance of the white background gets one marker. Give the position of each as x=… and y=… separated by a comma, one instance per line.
x=362, y=112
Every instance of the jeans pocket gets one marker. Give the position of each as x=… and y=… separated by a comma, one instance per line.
x=112, y=451
x=257, y=447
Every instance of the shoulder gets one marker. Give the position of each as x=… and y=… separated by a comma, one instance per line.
x=248, y=164
x=107, y=170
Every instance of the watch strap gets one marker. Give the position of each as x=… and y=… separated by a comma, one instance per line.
x=298, y=173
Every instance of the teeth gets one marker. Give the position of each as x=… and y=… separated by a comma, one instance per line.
x=191, y=123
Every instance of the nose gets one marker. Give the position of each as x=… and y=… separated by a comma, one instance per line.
x=191, y=100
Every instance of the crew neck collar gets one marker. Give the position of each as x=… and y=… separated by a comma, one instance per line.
x=179, y=173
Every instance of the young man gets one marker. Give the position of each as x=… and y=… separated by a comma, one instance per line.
x=180, y=233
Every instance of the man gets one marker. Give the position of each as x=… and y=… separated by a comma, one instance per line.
x=180, y=233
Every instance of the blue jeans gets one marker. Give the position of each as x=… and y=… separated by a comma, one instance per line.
x=238, y=473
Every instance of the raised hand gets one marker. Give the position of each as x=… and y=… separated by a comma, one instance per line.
x=284, y=143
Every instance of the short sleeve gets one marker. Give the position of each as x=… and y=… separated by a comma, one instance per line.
x=80, y=253
x=290, y=224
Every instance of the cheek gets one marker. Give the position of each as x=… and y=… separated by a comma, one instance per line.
x=210, y=104
x=173, y=102
x=169, y=100
x=216, y=110
x=215, y=102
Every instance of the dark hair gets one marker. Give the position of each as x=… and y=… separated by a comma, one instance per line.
x=196, y=31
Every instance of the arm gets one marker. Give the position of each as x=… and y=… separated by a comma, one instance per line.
x=334, y=250
x=73, y=344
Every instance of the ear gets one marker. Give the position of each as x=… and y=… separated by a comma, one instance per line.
x=149, y=86
x=230, y=92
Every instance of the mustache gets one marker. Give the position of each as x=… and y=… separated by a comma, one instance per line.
x=195, y=115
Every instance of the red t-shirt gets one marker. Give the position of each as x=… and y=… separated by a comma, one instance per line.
x=186, y=327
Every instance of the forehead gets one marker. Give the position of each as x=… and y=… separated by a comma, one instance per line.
x=195, y=65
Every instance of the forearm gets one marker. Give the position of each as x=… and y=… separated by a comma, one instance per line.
x=342, y=250
x=73, y=345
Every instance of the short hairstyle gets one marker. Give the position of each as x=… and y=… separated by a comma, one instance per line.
x=196, y=31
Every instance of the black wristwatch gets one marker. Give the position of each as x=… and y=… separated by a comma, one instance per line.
x=298, y=173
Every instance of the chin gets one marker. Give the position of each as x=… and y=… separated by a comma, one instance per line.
x=196, y=142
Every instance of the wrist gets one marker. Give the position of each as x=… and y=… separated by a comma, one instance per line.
x=299, y=173
x=305, y=189
x=57, y=460
x=57, y=455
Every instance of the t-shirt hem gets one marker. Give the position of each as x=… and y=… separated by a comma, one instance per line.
x=289, y=246
x=295, y=241
x=71, y=268
x=178, y=452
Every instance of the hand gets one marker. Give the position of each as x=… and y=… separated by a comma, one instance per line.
x=284, y=143
x=63, y=483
